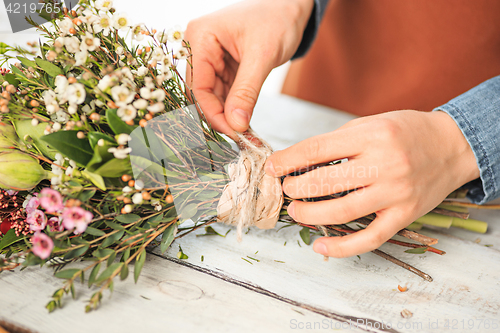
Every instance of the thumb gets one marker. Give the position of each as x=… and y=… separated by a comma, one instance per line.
x=244, y=92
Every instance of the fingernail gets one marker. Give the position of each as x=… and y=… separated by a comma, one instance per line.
x=320, y=248
x=269, y=168
x=241, y=117
x=291, y=210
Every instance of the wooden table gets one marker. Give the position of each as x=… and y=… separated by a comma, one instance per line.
x=287, y=287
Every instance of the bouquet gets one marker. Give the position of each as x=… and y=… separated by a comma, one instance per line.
x=104, y=153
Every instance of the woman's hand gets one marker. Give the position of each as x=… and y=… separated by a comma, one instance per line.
x=235, y=49
x=402, y=165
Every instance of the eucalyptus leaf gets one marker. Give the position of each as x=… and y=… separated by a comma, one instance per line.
x=167, y=238
x=67, y=273
x=139, y=263
x=68, y=144
x=95, y=232
x=76, y=252
x=305, y=234
x=106, y=274
x=49, y=67
x=112, y=238
x=128, y=218
x=94, y=273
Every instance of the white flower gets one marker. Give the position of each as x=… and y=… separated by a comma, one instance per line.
x=145, y=93
x=53, y=107
x=59, y=159
x=127, y=112
x=35, y=122
x=123, y=139
x=102, y=24
x=104, y=5
x=126, y=189
x=107, y=82
x=72, y=163
x=120, y=152
x=65, y=25
x=72, y=44
x=120, y=21
x=49, y=96
x=182, y=53
x=56, y=126
x=59, y=42
x=69, y=171
x=122, y=95
x=89, y=108
x=76, y=93
x=137, y=198
x=139, y=184
x=125, y=71
x=157, y=107
x=89, y=42
x=55, y=181
x=162, y=37
x=61, y=117
x=57, y=170
x=142, y=71
x=119, y=50
x=81, y=58
x=61, y=83
x=140, y=104
x=137, y=32
x=128, y=209
x=175, y=34
x=158, y=54
x=166, y=63
x=72, y=108
x=88, y=17
x=148, y=82
x=156, y=204
x=158, y=95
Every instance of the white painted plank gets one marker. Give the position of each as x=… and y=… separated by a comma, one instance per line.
x=167, y=298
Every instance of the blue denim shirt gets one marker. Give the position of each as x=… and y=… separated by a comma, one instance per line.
x=476, y=112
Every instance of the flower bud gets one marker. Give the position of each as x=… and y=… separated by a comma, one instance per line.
x=20, y=171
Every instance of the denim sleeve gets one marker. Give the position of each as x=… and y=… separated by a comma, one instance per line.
x=477, y=114
x=311, y=28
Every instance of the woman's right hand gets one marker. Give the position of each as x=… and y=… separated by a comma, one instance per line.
x=235, y=49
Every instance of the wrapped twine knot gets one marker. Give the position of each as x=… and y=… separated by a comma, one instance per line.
x=251, y=197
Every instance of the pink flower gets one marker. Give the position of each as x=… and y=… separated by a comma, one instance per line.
x=42, y=245
x=37, y=220
x=51, y=200
x=55, y=224
x=33, y=204
x=76, y=217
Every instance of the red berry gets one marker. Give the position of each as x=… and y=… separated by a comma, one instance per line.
x=5, y=225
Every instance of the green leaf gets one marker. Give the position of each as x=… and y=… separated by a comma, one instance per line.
x=76, y=252
x=94, y=137
x=128, y=218
x=111, y=258
x=11, y=78
x=17, y=71
x=117, y=125
x=49, y=67
x=26, y=62
x=101, y=253
x=67, y=273
x=167, y=238
x=99, y=157
x=115, y=168
x=189, y=211
x=417, y=250
x=95, y=232
x=139, y=263
x=215, y=147
x=114, y=226
x=25, y=129
x=112, y=238
x=181, y=255
x=97, y=180
x=124, y=272
x=305, y=234
x=107, y=272
x=86, y=195
x=94, y=273
x=67, y=143
x=9, y=238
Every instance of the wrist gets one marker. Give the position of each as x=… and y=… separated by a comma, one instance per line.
x=459, y=153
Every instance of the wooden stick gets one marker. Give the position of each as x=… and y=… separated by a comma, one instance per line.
x=468, y=204
x=451, y=213
x=406, y=233
x=394, y=260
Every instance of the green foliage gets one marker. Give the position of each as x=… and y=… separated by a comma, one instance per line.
x=305, y=234
x=68, y=144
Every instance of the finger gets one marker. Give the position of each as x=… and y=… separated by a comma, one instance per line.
x=340, y=210
x=330, y=180
x=336, y=145
x=368, y=239
x=244, y=92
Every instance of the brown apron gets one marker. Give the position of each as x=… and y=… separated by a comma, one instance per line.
x=372, y=56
